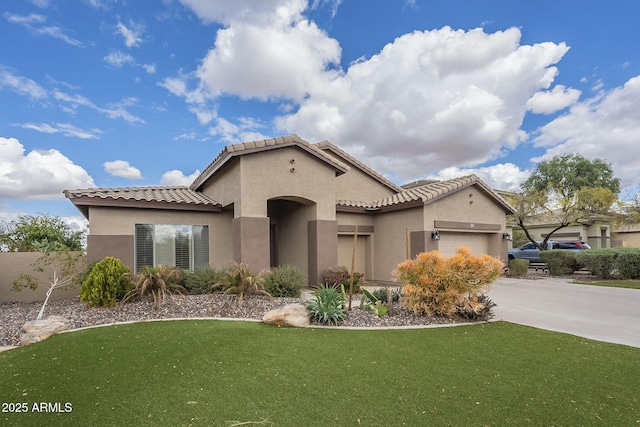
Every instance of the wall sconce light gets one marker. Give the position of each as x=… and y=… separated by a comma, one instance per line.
x=435, y=234
x=506, y=236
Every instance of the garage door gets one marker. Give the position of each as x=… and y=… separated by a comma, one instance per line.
x=450, y=241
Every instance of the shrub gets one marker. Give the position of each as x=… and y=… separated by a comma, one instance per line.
x=600, y=262
x=627, y=263
x=199, y=281
x=107, y=283
x=339, y=275
x=284, y=281
x=381, y=294
x=157, y=283
x=559, y=262
x=518, y=267
x=327, y=305
x=238, y=280
x=477, y=308
x=437, y=285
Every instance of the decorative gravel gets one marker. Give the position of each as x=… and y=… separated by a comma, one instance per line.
x=14, y=315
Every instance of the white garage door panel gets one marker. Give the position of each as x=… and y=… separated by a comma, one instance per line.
x=450, y=242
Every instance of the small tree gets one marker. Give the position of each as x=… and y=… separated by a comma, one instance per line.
x=64, y=267
x=39, y=233
x=564, y=190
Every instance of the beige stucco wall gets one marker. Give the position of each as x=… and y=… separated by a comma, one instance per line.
x=13, y=264
x=357, y=185
x=122, y=221
x=467, y=205
x=348, y=218
x=389, y=239
x=224, y=186
x=268, y=175
x=629, y=239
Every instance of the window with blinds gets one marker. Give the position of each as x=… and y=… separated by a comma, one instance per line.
x=185, y=246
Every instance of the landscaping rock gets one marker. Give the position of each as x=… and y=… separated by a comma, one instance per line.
x=289, y=315
x=37, y=330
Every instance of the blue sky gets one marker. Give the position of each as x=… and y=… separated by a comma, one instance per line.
x=114, y=93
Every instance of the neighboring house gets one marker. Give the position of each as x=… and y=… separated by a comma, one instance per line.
x=627, y=236
x=286, y=201
x=596, y=233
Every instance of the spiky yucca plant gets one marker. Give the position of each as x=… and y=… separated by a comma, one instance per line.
x=327, y=305
x=157, y=283
x=238, y=280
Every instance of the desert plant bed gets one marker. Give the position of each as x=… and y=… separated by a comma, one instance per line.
x=224, y=373
x=14, y=315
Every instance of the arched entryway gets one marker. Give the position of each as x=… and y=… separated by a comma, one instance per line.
x=288, y=231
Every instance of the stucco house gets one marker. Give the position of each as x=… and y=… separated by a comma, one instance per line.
x=287, y=201
x=627, y=236
x=596, y=233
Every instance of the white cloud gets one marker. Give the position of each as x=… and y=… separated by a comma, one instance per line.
x=177, y=178
x=427, y=101
x=65, y=129
x=118, y=59
x=547, y=102
x=287, y=61
x=21, y=85
x=36, y=24
x=39, y=175
x=264, y=11
x=505, y=176
x=458, y=99
x=117, y=110
x=606, y=127
x=113, y=110
x=122, y=169
x=132, y=34
x=149, y=68
x=42, y=4
x=235, y=133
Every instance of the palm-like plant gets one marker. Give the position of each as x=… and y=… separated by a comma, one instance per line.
x=158, y=283
x=238, y=280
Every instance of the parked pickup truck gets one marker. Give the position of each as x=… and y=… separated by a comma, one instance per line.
x=532, y=253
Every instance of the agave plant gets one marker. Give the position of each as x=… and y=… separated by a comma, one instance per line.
x=238, y=280
x=157, y=283
x=327, y=305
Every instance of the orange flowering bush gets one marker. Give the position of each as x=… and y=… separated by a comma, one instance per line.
x=439, y=285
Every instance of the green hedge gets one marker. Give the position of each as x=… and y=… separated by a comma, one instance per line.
x=518, y=267
x=560, y=262
x=620, y=263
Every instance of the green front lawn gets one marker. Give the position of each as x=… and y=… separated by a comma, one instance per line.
x=630, y=284
x=217, y=373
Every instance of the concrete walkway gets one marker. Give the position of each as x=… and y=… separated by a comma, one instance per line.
x=595, y=312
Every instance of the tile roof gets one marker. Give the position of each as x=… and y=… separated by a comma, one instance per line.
x=427, y=193
x=234, y=150
x=180, y=198
x=326, y=145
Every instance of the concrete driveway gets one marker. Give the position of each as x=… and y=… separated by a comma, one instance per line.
x=595, y=312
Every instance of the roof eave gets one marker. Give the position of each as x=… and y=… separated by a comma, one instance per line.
x=83, y=203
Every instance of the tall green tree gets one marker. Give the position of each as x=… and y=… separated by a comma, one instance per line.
x=39, y=233
x=564, y=190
